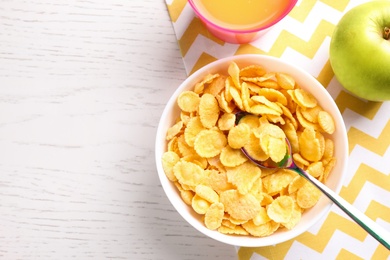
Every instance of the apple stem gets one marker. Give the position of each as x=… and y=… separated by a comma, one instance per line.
x=386, y=33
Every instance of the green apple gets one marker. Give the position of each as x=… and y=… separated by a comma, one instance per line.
x=360, y=51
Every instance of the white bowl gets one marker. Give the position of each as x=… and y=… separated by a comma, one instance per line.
x=305, y=81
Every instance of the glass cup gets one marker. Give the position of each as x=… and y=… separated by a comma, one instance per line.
x=231, y=33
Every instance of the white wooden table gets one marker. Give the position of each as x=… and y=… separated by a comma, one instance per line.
x=82, y=87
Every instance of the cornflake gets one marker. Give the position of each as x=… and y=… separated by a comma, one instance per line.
x=205, y=159
x=214, y=216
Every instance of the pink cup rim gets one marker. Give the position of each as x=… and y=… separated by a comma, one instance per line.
x=284, y=14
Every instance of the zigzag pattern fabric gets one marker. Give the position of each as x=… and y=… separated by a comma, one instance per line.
x=303, y=37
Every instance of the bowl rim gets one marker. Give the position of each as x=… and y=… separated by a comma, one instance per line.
x=285, y=12
x=249, y=241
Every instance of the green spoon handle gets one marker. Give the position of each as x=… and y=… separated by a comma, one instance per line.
x=375, y=230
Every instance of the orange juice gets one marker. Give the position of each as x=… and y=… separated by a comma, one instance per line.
x=242, y=14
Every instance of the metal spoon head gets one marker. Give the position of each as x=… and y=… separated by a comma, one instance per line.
x=286, y=162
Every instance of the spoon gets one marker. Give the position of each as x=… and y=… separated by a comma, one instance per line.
x=375, y=230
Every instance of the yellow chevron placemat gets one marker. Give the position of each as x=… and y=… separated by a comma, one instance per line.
x=303, y=37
